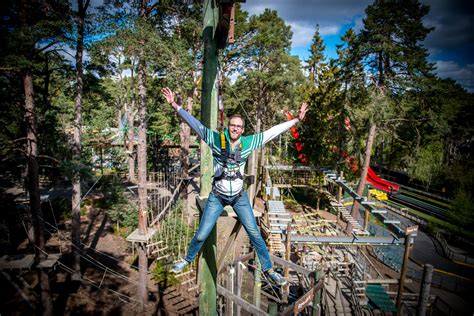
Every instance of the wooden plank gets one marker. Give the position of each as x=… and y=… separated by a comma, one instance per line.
x=184, y=273
x=381, y=281
x=280, y=231
x=244, y=258
x=136, y=237
x=291, y=265
x=158, y=250
x=272, y=224
x=304, y=300
x=17, y=262
x=279, y=213
x=162, y=257
x=50, y=261
x=281, y=219
x=240, y=301
x=154, y=243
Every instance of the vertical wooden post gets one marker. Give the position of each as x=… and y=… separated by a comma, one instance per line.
x=272, y=308
x=207, y=273
x=403, y=273
x=286, y=288
x=339, y=192
x=317, y=295
x=229, y=309
x=303, y=256
x=238, y=284
x=257, y=282
x=424, y=290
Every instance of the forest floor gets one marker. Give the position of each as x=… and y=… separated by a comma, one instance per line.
x=109, y=272
x=108, y=267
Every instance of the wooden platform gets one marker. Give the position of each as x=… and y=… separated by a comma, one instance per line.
x=146, y=238
x=27, y=262
x=17, y=262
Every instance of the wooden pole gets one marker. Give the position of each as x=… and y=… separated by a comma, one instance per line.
x=424, y=290
x=207, y=273
x=238, y=284
x=339, y=192
x=401, y=283
x=317, y=296
x=229, y=310
x=257, y=288
x=272, y=308
x=286, y=288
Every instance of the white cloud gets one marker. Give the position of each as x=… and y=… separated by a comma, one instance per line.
x=464, y=75
x=303, y=33
x=329, y=30
x=452, y=38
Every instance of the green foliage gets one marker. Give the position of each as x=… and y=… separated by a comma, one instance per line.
x=162, y=275
x=325, y=134
x=114, y=202
x=176, y=230
x=390, y=42
x=291, y=204
x=126, y=216
x=428, y=163
x=462, y=211
x=62, y=208
x=316, y=57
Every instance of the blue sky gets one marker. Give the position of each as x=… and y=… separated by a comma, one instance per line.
x=450, y=45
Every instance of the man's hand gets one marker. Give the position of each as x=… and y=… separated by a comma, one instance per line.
x=169, y=96
x=303, y=110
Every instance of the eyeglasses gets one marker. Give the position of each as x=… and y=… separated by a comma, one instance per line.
x=238, y=127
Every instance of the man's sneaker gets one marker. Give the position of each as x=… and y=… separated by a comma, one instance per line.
x=179, y=266
x=276, y=277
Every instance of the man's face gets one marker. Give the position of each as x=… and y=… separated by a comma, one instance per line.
x=236, y=128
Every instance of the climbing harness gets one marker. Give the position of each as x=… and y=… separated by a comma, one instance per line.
x=230, y=158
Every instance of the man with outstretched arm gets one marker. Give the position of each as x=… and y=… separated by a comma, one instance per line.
x=230, y=151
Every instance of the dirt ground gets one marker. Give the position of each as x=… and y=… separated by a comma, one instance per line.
x=109, y=277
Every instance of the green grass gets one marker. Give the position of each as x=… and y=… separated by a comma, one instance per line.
x=436, y=221
x=427, y=199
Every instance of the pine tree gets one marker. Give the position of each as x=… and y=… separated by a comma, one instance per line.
x=77, y=146
x=391, y=42
x=316, y=57
x=33, y=28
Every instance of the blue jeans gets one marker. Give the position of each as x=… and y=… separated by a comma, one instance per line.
x=244, y=211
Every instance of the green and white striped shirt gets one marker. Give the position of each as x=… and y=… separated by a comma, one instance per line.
x=249, y=144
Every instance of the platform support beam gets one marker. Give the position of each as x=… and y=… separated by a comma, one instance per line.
x=207, y=273
x=401, y=284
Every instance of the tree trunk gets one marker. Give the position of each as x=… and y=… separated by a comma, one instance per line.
x=264, y=124
x=131, y=142
x=381, y=78
x=185, y=134
x=363, y=176
x=142, y=170
x=76, y=145
x=142, y=179
x=253, y=161
x=33, y=190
